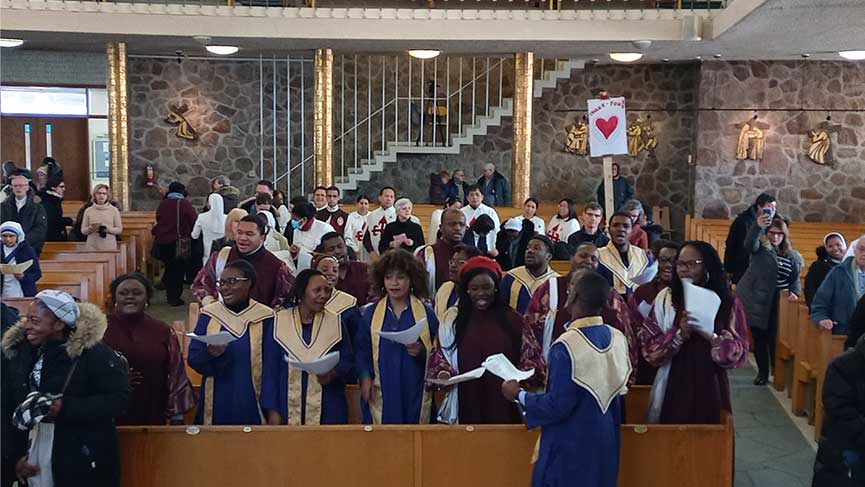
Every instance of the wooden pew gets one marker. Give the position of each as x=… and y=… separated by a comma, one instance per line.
x=74, y=284
x=785, y=344
x=21, y=304
x=805, y=364
x=109, y=258
x=830, y=346
x=563, y=267
x=100, y=282
x=54, y=248
x=419, y=456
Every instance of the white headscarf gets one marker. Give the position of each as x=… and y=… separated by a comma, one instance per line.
x=213, y=220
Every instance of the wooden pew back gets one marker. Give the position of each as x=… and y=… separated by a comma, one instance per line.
x=74, y=284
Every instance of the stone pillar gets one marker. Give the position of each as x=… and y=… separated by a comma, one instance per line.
x=118, y=124
x=323, y=117
x=521, y=165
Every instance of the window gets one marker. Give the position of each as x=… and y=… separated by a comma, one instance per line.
x=32, y=100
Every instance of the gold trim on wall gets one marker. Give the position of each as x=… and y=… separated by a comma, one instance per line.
x=323, y=118
x=521, y=164
x=118, y=124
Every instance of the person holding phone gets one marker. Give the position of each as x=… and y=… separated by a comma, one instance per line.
x=736, y=255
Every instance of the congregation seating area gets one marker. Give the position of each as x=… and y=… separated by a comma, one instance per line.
x=803, y=351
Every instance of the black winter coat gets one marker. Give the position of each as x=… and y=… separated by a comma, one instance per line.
x=843, y=435
x=736, y=256
x=85, y=438
x=816, y=273
x=57, y=223
x=31, y=217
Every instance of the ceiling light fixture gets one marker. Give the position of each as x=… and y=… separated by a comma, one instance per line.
x=852, y=55
x=4, y=42
x=222, y=50
x=423, y=53
x=626, y=57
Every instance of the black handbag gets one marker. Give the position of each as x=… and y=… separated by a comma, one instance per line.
x=183, y=247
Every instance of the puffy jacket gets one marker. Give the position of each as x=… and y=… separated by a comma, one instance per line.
x=496, y=191
x=85, y=448
x=31, y=217
x=816, y=273
x=836, y=297
x=57, y=223
x=736, y=256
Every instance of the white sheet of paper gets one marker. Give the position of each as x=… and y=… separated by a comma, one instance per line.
x=647, y=275
x=221, y=338
x=644, y=308
x=702, y=306
x=470, y=375
x=407, y=336
x=317, y=367
x=15, y=268
x=500, y=366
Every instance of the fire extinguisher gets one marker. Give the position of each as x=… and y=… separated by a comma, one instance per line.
x=149, y=179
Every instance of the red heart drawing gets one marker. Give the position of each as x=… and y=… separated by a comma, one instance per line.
x=608, y=126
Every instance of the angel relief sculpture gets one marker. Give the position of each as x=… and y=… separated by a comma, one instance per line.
x=750, y=143
x=577, y=141
x=177, y=116
x=820, y=141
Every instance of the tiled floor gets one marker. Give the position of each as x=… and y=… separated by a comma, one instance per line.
x=771, y=451
x=771, y=447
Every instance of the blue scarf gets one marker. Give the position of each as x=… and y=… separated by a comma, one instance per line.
x=174, y=196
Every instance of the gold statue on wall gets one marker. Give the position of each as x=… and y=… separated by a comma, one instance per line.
x=577, y=141
x=641, y=137
x=177, y=117
x=750, y=144
x=820, y=141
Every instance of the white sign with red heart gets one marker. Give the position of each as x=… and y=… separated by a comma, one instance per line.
x=607, y=127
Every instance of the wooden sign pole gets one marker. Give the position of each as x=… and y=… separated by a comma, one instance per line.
x=609, y=208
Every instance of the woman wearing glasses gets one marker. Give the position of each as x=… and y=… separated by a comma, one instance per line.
x=231, y=373
x=691, y=386
x=773, y=273
x=641, y=300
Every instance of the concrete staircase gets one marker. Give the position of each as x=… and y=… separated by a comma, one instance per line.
x=368, y=167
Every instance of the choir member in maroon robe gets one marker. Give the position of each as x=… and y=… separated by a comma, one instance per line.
x=691, y=386
x=437, y=257
x=547, y=315
x=482, y=325
x=332, y=213
x=274, y=281
x=353, y=275
x=641, y=300
x=160, y=390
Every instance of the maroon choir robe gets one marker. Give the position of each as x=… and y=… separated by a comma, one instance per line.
x=356, y=282
x=647, y=292
x=273, y=280
x=436, y=259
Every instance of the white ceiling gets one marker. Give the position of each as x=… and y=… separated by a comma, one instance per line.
x=777, y=29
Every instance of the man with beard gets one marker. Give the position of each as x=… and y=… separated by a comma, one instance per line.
x=519, y=284
x=353, y=275
x=630, y=265
x=437, y=257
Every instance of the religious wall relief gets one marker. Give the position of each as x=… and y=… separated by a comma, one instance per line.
x=819, y=141
x=641, y=137
x=177, y=116
x=750, y=142
x=577, y=141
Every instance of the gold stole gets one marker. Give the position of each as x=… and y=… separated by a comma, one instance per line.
x=251, y=319
x=524, y=279
x=288, y=332
x=443, y=295
x=340, y=301
x=419, y=312
x=637, y=260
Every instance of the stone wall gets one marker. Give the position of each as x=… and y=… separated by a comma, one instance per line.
x=225, y=109
x=805, y=190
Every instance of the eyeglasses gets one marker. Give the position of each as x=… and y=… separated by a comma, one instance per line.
x=230, y=281
x=774, y=233
x=692, y=264
x=667, y=260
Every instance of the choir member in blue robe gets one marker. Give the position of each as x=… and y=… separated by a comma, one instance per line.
x=231, y=374
x=392, y=374
x=580, y=412
x=340, y=302
x=520, y=284
x=305, y=332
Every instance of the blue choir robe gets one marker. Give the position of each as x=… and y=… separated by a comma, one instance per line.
x=345, y=305
x=231, y=383
x=625, y=279
x=446, y=298
x=399, y=395
x=580, y=412
x=518, y=286
x=299, y=398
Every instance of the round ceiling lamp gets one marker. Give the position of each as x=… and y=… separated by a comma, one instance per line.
x=423, y=53
x=222, y=50
x=6, y=42
x=626, y=57
x=852, y=55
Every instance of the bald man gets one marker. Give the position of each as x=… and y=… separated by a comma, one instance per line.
x=437, y=257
